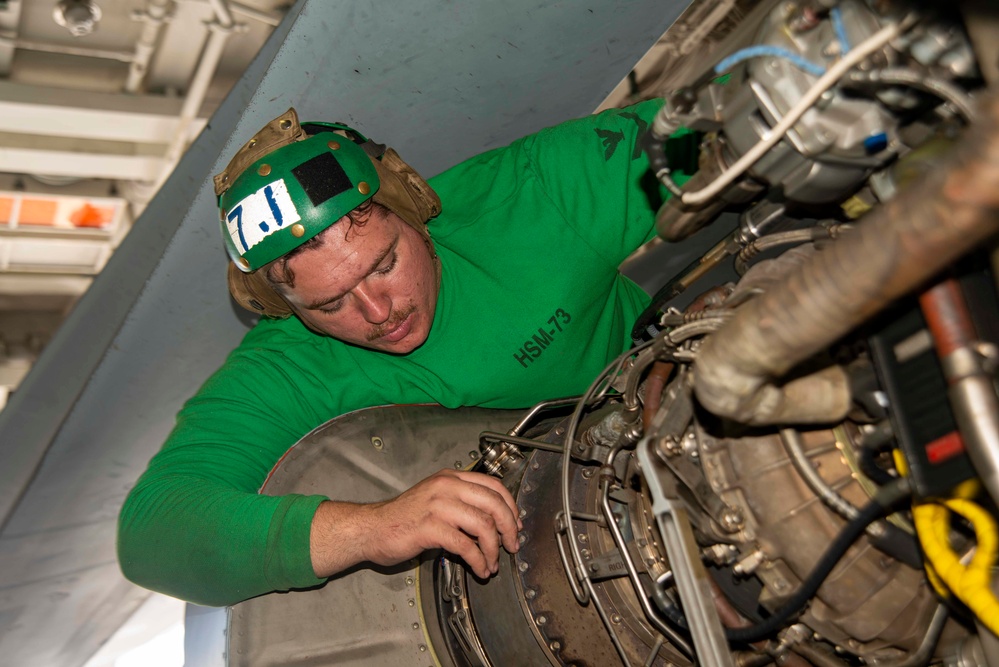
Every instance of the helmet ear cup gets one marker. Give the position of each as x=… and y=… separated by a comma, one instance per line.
x=405, y=192
x=255, y=294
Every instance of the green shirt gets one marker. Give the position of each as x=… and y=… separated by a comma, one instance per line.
x=531, y=307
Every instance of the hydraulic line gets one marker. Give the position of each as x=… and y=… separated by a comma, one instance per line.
x=924, y=81
x=870, y=45
x=883, y=503
x=887, y=499
x=886, y=537
x=938, y=219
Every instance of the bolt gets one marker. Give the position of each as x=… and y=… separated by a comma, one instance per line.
x=523, y=566
x=377, y=442
x=409, y=581
x=416, y=626
x=542, y=620
x=412, y=602
x=554, y=646
x=456, y=591
x=594, y=567
x=731, y=519
x=474, y=455
x=530, y=593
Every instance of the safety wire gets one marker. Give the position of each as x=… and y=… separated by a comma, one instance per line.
x=579, y=580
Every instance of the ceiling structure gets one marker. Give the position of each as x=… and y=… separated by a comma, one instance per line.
x=98, y=101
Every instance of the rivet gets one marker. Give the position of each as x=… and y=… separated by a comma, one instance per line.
x=416, y=626
x=377, y=442
x=542, y=620
x=253, y=142
x=245, y=263
x=521, y=538
x=615, y=618
x=530, y=593
x=334, y=145
x=523, y=567
x=225, y=177
x=522, y=513
x=474, y=455
x=409, y=581
x=412, y=602
x=285, y=124
x=458, y=465
x=363, y=188
x=298, y=230
x=554, y=646
x=264, y=169
x=423, y=648
x=582, y=537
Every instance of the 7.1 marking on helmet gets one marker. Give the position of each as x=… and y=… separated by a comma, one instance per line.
x=263, y=212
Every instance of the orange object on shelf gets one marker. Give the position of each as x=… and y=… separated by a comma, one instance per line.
x=89, y=215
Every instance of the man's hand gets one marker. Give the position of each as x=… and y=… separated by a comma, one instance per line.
x=468, y=514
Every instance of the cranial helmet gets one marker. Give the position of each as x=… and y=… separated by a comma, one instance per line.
x=293, y=180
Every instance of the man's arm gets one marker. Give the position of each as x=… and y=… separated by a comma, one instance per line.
x=468, y=514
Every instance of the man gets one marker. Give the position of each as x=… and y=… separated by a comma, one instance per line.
x=515, y=299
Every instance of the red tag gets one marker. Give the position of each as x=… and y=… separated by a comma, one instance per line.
x=945, y=447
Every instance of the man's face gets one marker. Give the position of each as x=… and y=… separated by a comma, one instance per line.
x=373, y=284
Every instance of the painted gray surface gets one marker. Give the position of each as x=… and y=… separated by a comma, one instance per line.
x=440, y=81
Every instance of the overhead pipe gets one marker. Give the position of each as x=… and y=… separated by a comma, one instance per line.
x=219, y=31
x=156, y=14
x=897, y=248
x=31, y=45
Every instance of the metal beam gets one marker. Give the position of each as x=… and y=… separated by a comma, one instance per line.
x=81, y=165
x=58, y=112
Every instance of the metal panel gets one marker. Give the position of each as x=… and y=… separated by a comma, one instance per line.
x=438, y=80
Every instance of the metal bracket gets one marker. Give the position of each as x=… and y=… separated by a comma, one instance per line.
x=684, y=558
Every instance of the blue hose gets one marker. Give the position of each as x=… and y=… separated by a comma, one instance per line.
x=768, y=50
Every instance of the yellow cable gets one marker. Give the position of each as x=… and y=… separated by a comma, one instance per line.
x=970, y=583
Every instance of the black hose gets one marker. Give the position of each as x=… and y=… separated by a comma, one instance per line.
x=883, y=503
x=887, y=499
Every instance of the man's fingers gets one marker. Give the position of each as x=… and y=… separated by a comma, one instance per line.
x=462, y=545
x=495, y=485
x=490, y=496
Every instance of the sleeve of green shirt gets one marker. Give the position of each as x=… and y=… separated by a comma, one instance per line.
x=596, y=175
x=194, y=527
